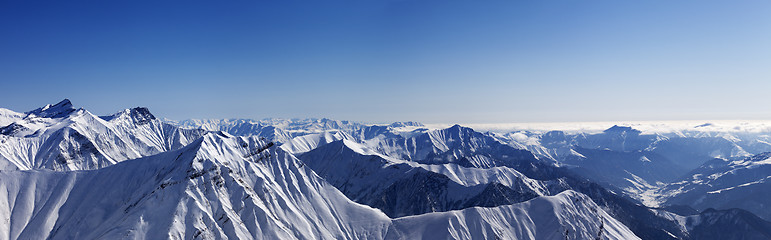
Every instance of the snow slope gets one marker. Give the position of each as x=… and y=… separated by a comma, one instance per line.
x=402, y=188
x=568, y=215
x=217, y=187
x=222, y=186
x=8, y=116
x=305, y=143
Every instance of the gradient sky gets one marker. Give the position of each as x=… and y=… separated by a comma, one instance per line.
x=382, y=61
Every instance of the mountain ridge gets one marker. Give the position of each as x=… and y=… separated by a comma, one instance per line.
x=160, y=180
x=205, y=189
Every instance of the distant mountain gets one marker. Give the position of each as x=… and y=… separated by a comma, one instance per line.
x=283, y=130
x=239, y=127
x=686, y=149
x=722, y=224
x=633, y=172
x=406, y=124
x=456, y=145
x=725, y=184
x=286, y=128
x=626, y=159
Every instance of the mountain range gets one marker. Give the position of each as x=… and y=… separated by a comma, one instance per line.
x=66, y=173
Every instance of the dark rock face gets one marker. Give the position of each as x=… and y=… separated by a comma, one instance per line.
x=401, y=189
x=496, y=194
x=422, y=193
x=141, y=115
x=12, y=129
x=58, y=110
x=729, y=224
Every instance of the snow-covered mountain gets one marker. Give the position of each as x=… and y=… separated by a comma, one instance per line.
x=130, y=175
x=221, y=186
x=454, y=145
x=724, y=184
x=686, y=148
x=276, y=129
x=632, y=161
x=404, y=188
x=407, y=187
x=631, y=172
x=283, y=130
x=60, y=137
x=722, y=224
x=8, y=116
x=622, y=158
x=568, y=215
x=239, y=127
x=458, y=145
x=305, y=143
x=217, y=187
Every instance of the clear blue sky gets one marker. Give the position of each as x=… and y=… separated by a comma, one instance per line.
x=381, y=61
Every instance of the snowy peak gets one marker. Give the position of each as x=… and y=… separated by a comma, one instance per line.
x=465, y=147
x=8, y=116
x=616, y=129
x=138, y=115
x=221, y=146
x=58, y=110
x=81, y=140
x=38, y=120
x=406, y=124
x=218, y=150
x=455, y=137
